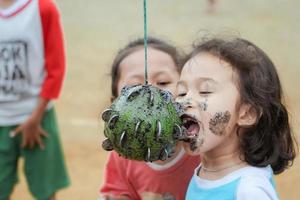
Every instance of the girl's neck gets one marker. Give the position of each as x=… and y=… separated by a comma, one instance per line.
x=6, y=3
x=216, y=167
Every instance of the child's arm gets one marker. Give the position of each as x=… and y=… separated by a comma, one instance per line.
x=54, y=50
x=115, y=184
x=55, y=69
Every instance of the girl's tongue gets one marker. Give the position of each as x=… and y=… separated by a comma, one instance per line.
x=193, y=129
x=191, y=125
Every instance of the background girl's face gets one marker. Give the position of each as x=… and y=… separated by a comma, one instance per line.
x=162, y=71
x=207, y=88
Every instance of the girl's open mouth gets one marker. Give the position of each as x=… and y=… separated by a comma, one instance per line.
x=191, y=126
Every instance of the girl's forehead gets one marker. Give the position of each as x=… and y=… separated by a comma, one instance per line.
x=206, y=65
x=158, y=62
x=153, y=56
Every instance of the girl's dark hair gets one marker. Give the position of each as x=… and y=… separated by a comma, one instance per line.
x=270, y=141
x=135, y=45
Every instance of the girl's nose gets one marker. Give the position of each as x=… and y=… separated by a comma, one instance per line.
x=188, y=103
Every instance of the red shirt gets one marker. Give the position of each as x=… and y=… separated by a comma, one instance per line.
x=137, y=180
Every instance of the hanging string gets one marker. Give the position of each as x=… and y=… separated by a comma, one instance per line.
x=145, y=42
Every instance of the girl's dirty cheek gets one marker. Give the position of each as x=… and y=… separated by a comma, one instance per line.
x=219, y=122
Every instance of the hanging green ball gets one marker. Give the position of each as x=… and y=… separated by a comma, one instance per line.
x=143, y=123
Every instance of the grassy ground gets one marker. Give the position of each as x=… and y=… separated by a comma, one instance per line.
x=95, y=29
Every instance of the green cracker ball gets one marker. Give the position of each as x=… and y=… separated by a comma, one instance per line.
x=143, y=123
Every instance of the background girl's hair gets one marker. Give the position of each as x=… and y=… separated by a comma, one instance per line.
x=135, y=45
x=270, y=141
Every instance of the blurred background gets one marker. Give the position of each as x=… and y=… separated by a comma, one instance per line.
x=96, y=29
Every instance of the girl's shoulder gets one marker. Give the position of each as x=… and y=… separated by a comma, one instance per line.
x=236, y=178
x=256, y=183
x=247, y=183
x=251, y=172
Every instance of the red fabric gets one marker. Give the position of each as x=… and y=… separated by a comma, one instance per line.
x=53, y=48
x=138, y=181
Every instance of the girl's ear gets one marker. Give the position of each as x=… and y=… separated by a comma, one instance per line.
x=248, y=116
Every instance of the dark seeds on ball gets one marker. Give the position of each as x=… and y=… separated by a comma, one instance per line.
x=163, y=155
x=122, y=139
x=136, y=129
x=107, y=145
x=158, y=130
x=147, y=128
x=151, y=98
x=105, y=133
x=148, y=155
x=106, y=114
x=112, y=121
x=166, y=95
x=177, y=132
x=124, y=90
x=179, y=108
x=133, y=95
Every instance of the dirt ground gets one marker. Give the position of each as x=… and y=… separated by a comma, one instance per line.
x=95, y=29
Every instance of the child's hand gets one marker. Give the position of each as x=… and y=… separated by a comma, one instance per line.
x=32, y=133
x=31, y=128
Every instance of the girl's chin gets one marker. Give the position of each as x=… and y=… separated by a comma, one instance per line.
x=190, y=149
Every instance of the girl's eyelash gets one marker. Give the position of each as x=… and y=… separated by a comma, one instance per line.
x=163, y=83
x=181, y=95
x=205, y=92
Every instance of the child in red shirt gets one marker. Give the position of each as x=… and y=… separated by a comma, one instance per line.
x=128, y=179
